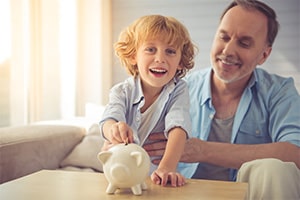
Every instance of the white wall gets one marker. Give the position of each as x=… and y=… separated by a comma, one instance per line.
x=202, y=17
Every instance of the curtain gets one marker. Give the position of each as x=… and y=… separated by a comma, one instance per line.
x=59, y=60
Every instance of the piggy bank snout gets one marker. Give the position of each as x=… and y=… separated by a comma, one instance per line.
x=120, y=172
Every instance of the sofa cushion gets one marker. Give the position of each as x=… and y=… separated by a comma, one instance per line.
x=84, y=155
x=27, y=149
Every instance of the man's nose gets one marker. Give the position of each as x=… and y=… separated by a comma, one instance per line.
x=229, y=48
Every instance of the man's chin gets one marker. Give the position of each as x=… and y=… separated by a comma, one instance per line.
x=223, y=78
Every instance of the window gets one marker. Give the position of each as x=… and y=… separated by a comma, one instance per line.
x=5, y=49
x=52, y=61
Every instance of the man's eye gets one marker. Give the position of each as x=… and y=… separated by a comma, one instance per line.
x=245, y=44
x=170, y=51
x=223, y=37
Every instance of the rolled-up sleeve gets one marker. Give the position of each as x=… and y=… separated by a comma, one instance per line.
x=178, y=114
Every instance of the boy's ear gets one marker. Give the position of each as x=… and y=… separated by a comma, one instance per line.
x=179, y=67
x=132, y=60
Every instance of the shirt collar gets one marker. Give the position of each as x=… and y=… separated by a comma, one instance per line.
x=206, y=92
x=253, y=79
x=169, y=87
x=138, y=92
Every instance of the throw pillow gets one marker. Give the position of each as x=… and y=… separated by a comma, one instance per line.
x=84, y=155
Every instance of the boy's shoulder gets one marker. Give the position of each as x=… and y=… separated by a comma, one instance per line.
x=129, y=88
x=128, y=84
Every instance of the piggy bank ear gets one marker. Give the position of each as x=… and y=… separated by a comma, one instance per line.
x=138, y=157
x=104, y=156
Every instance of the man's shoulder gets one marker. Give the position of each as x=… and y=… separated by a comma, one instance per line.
x=269, y=81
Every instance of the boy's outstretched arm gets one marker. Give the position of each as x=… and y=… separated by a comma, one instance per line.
x=166, y=171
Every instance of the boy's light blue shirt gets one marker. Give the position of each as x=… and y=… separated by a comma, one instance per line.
x=127, y=98
x=268, y=110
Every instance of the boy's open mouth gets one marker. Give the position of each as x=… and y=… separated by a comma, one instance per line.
x=158, y=71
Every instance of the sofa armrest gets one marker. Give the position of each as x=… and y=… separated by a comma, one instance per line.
x=27, y=149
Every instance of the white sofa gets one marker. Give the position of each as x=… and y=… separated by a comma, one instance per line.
x=27, y=149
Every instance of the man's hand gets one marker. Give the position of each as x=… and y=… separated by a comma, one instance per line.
x=193, y=149
x=156, y=146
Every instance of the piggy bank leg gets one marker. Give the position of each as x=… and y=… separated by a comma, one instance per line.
x=111, y=189
x=136, y=189
x=144, y=186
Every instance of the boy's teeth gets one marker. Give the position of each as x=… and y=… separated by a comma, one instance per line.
x=158, y=70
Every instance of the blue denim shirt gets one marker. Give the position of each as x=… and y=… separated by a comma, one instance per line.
x=126, y=99
x=268, y=110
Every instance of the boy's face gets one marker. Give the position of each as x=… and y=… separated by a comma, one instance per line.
x=157, y=62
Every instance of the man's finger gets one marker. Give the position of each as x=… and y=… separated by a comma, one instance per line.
x=158, y=145
x=157, y=136
x=156, y=152
x=156, y=161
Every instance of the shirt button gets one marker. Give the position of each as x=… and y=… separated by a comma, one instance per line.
x=257, y=132
x=211, y=116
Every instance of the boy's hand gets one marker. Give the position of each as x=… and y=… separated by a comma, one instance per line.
x=120, y=132
x=163, y=176
x=106, y=145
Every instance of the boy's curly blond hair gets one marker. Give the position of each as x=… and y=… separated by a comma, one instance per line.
x=155, y=26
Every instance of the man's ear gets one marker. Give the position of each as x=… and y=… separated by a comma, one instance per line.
x=265, y=55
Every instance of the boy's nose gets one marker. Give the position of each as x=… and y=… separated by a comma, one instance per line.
x=159, y=57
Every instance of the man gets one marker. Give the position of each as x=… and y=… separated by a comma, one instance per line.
x=246, y=122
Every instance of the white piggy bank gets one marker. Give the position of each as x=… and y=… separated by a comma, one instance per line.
x=125, y=166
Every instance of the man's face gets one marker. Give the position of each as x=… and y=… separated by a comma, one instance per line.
x=240, y=44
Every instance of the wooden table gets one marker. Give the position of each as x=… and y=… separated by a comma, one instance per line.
x=65, y=185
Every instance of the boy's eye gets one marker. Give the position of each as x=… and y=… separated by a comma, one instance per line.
x=150, y=49
x=170, y=51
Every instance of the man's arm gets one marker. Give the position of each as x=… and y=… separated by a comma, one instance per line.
x=225, y=154
x=156, y=146
x=234, y=155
